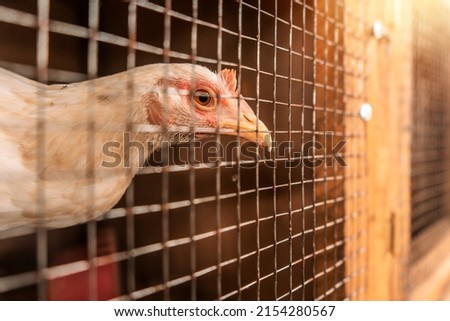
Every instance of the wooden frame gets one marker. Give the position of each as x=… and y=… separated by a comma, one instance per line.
x=385, y=83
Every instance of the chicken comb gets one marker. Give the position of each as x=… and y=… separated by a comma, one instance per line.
x=229, y=78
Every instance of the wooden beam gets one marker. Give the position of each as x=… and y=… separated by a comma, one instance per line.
x=386, y=84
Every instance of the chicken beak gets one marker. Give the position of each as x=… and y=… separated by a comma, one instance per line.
x=252, y=129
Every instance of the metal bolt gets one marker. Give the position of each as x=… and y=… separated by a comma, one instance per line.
x=365, y=111
x=378, y=30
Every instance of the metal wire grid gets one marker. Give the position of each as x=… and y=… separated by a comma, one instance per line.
x=356, y=180
x=429, y=168
x=269, y=233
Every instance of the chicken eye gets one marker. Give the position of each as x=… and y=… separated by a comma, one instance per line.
x=203, y=98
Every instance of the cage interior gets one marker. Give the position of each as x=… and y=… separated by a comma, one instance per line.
x=249, y=228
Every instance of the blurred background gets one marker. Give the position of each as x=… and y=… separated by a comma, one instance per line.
x=376, y=227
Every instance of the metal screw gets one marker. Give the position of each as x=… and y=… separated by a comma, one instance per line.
x=365, y=111
x=379, y=31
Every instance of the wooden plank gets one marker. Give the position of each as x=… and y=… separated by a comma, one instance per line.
x=389, y=88
x=429, y=275
x=387, y=84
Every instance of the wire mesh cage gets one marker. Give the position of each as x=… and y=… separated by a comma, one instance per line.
x=430, y=119
x=289, y=224
x=429, y=168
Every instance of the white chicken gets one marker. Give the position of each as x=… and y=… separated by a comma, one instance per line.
x=53, y=137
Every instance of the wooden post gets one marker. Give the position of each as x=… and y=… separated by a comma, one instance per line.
x=383, y=79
